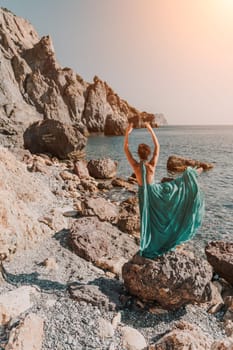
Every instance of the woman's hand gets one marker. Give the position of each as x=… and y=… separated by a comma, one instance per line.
x=129, y=128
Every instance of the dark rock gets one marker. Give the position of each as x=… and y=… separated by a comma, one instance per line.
x=166, y=179
x=54, y=137
x=172, y=280
x=102, y=168
x=220, y=255
x=92, y=240
x=179, y=164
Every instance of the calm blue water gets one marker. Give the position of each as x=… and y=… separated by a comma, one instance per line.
x=206, y=143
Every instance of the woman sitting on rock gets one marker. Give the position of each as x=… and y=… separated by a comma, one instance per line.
x=170, y=212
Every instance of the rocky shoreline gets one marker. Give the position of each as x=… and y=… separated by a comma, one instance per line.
x=71, y=260
x=71, y=277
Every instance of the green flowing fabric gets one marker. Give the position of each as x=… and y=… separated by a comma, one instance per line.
x=170, y=212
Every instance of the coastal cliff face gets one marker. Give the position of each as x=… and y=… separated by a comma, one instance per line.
x=34, y=87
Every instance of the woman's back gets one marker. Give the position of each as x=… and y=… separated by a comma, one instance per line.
x=150, y=172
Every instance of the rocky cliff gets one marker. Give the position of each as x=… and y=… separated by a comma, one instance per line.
x=33, y=86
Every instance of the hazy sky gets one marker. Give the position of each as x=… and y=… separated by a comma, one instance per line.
x=168, y=56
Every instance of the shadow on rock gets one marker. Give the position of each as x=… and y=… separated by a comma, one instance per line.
x=62, y=237
x=112, y=288
x=33, y=280
x=102, y=292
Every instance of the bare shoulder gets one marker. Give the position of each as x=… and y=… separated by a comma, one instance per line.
x=150, y=167
x=136, y=166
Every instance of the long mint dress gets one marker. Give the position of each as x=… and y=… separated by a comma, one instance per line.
x=170, y=212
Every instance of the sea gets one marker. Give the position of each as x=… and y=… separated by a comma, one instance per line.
x=212, y=143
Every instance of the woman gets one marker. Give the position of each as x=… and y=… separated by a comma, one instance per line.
x=170, y=212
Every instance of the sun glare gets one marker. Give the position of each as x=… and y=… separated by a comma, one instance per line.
x=226, y=3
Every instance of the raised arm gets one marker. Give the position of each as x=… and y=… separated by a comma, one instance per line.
x=155, y=155
x=129, y=156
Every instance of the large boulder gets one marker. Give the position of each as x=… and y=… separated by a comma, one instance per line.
x=53, y=137
x=172, y=280
x=22, y=203
x=220, y=255
x=179, y=164
x=102, y=168
x=115, y=125
x=93, y=240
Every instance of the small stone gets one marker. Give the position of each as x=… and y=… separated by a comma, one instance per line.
x=218, y=285
x=78, y=205
x=223, y=344
x=70, y=213
x=111, y=347
x=80, y=169
x=132, y=339
x=140, y=304
x=50, y=264
x=109, y=274
x=116, y=320
x=228, y=316
x=216, y=302
x=157, y=311
x=228, y=326
x=229, y=302
x=106, y=329
x=50, y=303
x=113, y=265
x=66, y=175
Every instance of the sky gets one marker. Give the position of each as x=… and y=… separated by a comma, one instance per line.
x=162, y=56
